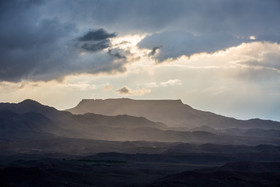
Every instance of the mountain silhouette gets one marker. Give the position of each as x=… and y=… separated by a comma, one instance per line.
x=26, y=106
x=29, y=119
x=29, y=115
x=117, y=145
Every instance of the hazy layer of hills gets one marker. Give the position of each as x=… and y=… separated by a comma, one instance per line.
x=29, y=119
x=173, y=113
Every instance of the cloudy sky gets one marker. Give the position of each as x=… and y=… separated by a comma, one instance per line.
x=216, y=55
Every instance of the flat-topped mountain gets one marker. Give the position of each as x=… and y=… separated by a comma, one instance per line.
x=173, y=113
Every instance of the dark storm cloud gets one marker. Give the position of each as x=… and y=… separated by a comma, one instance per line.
x=236, y=19
x=94, y=47
x=21, y=27
x=38, y=47
x=42, y=40
x=95, y=40
x=97, y=35
x=27, y=42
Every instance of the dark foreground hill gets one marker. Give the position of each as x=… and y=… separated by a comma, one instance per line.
x=229, y=175
x=127, y=171
x=173, y=113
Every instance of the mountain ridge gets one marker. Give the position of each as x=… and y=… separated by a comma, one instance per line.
x=173, y=113
x=123, y=127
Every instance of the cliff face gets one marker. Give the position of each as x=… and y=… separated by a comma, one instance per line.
x=173, y=113
x=155, y=110
x=127, y=106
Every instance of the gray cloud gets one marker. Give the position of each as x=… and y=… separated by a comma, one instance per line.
x=271, y=60
x=97, y=35
x=221, y=23
x=117, y=53
x=42, y=40
x=28, y=43
x=266, y=68
x=127, y=91
x=177, y=43
x=153, y=51
x=94, y=46
x=36, y=47
x=124, y=90
x=95, y=40
x=235, y=17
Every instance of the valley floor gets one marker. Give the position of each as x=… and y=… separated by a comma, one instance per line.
x=119, y=169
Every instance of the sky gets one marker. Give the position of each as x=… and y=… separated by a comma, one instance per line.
x=221, y=56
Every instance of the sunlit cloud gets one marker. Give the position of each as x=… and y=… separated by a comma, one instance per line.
x=171, y=82
x=107, y=87
x=252, y=38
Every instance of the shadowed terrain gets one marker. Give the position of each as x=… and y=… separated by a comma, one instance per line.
x=232, y=174
x=42, y=146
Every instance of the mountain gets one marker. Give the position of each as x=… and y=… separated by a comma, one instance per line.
x=173, y=113
x=26, y=106
x=42, y=146
x=27, y=125
x=30, y=120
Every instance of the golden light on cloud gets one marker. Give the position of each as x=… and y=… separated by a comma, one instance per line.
x=146, y=78
x=107, y=87
x=171, y=82
x=252, y=38
x=127, y=41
